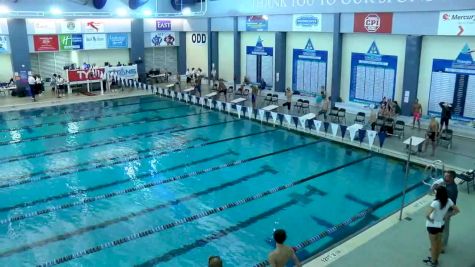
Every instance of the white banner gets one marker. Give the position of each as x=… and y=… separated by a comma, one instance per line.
x=193, y=99
x=352, y=131
x=249, y=112
x=457, y=23
x=228, y=107
x=44, y=26
x=70, y=26
x=334, y=129
x=95, y=41
x=288, y=118
x=127, y=72
x=163, y=39
x=261, y=114
x=318, y=124
x=93, y=26
x=371, y=136
x=4, y=44
x=210, y=103
x=302, y=122
x=307, y=22
x=238, y=108
x=219, y=104
x=274, y=117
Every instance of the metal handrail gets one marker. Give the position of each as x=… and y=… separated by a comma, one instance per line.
x=433, y=169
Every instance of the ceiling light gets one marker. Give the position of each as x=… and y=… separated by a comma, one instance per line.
x=4, y=10
x=147, y=12
x=122, y=12
x=55, y=11
x=186, y=11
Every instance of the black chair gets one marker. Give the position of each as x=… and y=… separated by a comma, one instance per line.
x=360, y=118
x=245, y=94
x=305, y=106
x=268, y=99
x=380, y=122
x=399, y=128
x=388, y=126
x=446, y=137
x=298, y=105
x=275, y=99
x=341, y=115
x=334, y=114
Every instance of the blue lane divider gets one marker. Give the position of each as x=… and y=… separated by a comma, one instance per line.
x=88, y=130
x=114, y=140
x=147, y=185
x=344, y=224
x=139, y=177
x=55, y=113
x=65, y=122
x=206, y=213
x=127, y=217
x=25, y=179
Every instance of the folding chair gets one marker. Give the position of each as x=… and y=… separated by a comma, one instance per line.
x=305, y=106
x=268, y=99
x=275, y=99
x=399, y=128
x=298, y=105
x=333, y=114
x=341, y=115
x=360, y=118
x=446, y=137
x=380, y=122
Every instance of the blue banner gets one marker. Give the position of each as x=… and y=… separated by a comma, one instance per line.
x=117, y=40
x=373, y=76
x=256, y=24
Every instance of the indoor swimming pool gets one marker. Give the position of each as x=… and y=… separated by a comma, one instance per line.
x=147, y=181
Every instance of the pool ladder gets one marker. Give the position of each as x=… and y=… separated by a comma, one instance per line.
x=434, y=171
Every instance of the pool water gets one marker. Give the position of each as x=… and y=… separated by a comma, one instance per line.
x=151, y=182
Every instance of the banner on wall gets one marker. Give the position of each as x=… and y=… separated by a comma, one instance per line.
x=163, y=38
x=373, y=76
x=3, y=44
x=93, y=26
x=117, y=40
x=256, y=23
x=307, y=22
x=45, y=43
x=259, y=63
x=95, y=41
x=456, y=23
x=163, y=25
x=126, y=72
x=70, y=26
x=85, y=75
x=453, y=81
x=44, y=26
x=373, y=22
x=199, y=38
x=309, y=72
x=70, y=41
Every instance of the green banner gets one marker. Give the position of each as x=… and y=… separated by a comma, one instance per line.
x=70, y=42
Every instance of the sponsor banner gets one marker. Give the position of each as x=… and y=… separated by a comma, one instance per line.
x=70, y=26
x=117, y=40
x=307, y=22
x=93, y=26
x=46, y=42
x=163, y=25
x=4, y=44
x=456, y=23
x=199, y=38
x=256, y=23
x=124, y=72
x=373, y=22
x=85, y=75
x=44, y=26
x=70, y=41
x=95, y=41
x=163, y=38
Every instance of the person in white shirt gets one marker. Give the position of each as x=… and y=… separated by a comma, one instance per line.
x=435, y=220
x=32, y=85
x=61, y=86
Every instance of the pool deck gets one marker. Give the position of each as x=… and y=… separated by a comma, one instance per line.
x=390, y=242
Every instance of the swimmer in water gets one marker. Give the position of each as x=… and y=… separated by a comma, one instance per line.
x=282, y=253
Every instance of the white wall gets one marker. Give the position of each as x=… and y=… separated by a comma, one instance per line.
x=98, y=57
x=6, y=66
x=250, y=39
x=197, y=54
x=298, y=40
x=394, y=45
x=226, y=55
x=439, y=47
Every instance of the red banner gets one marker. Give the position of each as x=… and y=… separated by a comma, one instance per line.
x=373, y=22
x=46, y=42
x=85, y=75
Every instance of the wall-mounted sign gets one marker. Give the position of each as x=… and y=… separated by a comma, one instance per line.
x=126, y=72
x=457, y=23
x=307, y=22
x=163, y=25
x=95, y=41
x=70, y=41
x=373, y=76
x=309, y=70
x=44, y=26
x=259, y=63
x=373, y=22
x=4, y=44
x=85, y=75
x=199, y=38
x=46, y=42
x=117, y=40
x=163, y=38
x=256, y=23
x=93, y=26
x=70, y=26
